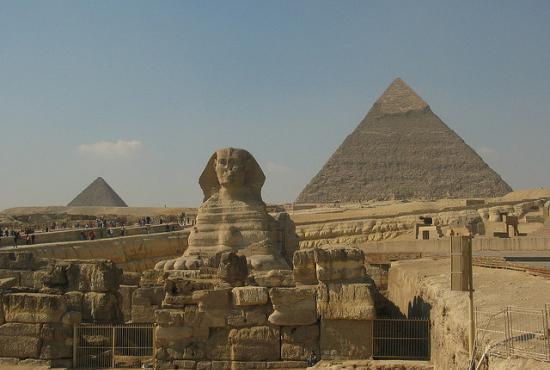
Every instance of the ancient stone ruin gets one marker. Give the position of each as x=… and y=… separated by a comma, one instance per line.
x=240, y=297
x=402, y=150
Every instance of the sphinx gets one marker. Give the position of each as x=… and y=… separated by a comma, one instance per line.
x=233, y=218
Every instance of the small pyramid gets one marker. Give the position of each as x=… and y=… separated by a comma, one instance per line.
x=402, y=150
x=98, y=194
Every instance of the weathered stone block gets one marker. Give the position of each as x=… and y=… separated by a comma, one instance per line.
x=304, y=267
x=340, y=264
x=99, y=276
x=187, y=316
x=33, y=307
x=299, y=342
x=217, y=345
x=71, y=318
x=56, y=341
x=148, y=296
x=351, y=301
x=19, y=346
x=101, y=307
x=167, y=334
x=274, y=278
x=293, y=306
x=249, y=296
x=260, y=343
x=7, y=283
x=346, y=339
x=144, y=302
x=214, y=304
x=126, y=292
x=233, y=268
x=143, y=314
x=184, y=286
x=73, y=300
x=20, y=329
x=248, y=316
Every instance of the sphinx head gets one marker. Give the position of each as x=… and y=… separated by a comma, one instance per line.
x=232, y=171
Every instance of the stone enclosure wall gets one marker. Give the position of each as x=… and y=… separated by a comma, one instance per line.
x=131, y=253
x=41, y=301
x=323, y=309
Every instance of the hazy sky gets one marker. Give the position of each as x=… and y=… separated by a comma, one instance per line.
x=142, y=92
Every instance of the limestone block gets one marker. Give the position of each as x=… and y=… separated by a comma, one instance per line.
x=304, y=267
x=293, y=306
x=72, y=318
x=126, y=292
x=346, y=339
x=130, y=278
x=167, y=334
x=299, y=342
x=340, y=264
x=150, y=278
x=16, y=329
x=149, y=295
x=248, y=316
x=143, y=313
x=73, y=300
x=32, y=279
x=217, y=345
x=180, y=343
x=57, y=341
x=187, y=316
x=102, y=307
x=169, y=317
x=33, y=307
x=249, y=296
x=99, y=276
x=233, y=268
x=7, y=283
x=274, y=278
x=19, y=346
x=185, y=364
x=184, y=286
x=259, y=343
x=215, y=305
x=347, y=301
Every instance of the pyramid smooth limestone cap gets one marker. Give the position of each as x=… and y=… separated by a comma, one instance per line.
x=399, y=98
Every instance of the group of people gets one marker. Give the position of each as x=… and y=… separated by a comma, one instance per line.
x=25, y=236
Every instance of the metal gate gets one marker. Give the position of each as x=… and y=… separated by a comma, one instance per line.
x=517, y=331
x=401, y=339
x=112, y=346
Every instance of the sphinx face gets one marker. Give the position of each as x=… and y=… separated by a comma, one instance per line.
x=230, y=168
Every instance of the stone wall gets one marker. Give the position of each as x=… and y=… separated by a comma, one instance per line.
x=74, y=234
x=279, y=319
x=41, y=301
x=131, y=253
x=421, y=288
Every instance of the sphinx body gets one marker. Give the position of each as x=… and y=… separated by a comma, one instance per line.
x=233, y=218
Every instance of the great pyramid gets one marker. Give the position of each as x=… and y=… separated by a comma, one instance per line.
x=402, y=150
x=98, y=193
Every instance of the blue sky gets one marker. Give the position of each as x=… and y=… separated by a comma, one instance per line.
x=142, y=92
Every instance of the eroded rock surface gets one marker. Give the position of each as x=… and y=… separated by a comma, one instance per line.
x=233, y=218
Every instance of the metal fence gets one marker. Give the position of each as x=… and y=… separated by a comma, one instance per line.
x=404, y=339
x=517, y=331
x=112, y=346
